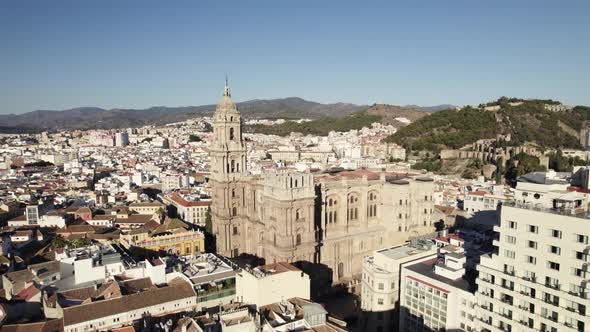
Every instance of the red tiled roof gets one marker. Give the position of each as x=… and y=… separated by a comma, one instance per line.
x=28, y=293
x=183, y=202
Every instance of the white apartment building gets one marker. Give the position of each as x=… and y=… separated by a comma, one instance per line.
x=191, y=211
x=482, y=200
x=381, y=283
x=436, y=295
x=544, y=188
x=271, y=283
x=537, y=279
x=173, y=181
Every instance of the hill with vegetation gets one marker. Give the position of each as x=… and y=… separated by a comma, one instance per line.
x=391, y=114
x=524, y=120
x=99, y=118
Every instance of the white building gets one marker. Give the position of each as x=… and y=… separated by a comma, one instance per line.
x=271, y=283
x=381, y=283
x=121, y=138
x=435, y=296
x=190, y=210
x=537, y=279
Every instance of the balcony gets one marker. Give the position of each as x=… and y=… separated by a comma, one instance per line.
x=506, y=300
x=508, y=287
x=507, y=314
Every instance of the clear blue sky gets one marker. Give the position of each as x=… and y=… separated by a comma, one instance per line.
x=136, y=54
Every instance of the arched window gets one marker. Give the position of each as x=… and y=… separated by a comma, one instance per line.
x=234, y=211
x=331, y=210
x=298, y=239
x=233, y=193
x=297, y=214
x=233, y=166
x=372, y=205
x=353, y=204
x=231, y=134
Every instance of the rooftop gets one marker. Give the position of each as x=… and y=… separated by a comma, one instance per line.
x=426, y=268
x=402, y=251
x=571, y=212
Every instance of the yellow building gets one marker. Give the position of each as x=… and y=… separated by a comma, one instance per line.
x=173, y=236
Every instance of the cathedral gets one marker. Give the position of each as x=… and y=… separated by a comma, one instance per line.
x=335, y=219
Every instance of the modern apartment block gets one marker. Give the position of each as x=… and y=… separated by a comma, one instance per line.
x=437, y=295
x=537, y=278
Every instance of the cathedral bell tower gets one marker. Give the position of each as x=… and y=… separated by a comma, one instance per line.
x=227, y=154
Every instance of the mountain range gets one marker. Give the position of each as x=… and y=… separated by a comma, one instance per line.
x=99, y=118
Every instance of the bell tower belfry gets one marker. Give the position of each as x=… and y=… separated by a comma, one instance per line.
x=227, y=151
x=227, y=154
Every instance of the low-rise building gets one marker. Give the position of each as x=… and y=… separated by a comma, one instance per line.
x=380, y=288
x=173, y=236
x=272, y=283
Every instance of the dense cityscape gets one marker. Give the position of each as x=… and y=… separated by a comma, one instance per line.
x=199, y=226
x=374, y=166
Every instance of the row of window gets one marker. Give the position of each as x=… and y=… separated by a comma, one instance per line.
x=578, y=238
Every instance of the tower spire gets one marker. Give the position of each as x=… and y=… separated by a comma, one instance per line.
x=226, y=92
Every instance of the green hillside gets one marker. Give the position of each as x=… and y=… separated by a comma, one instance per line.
x=450, y=128
x=528, y=122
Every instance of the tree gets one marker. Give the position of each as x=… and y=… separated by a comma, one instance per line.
x=522, y=164
x=59, y=242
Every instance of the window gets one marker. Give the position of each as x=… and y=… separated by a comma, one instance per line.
x=234, y=211
x=296, y=214
x=553, y=266
x=533, y=229
x=512, y=224
x=581, y=238
x=555, y=250
x=556, y=233
x=510, y=239
x=379, y=301
x=580, y=255
x=531, y=259
x=532, y=244
x=298, y=239
x=231, y=134
x=510, y=254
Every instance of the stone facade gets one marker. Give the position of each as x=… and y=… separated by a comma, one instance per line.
x=331, y=219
